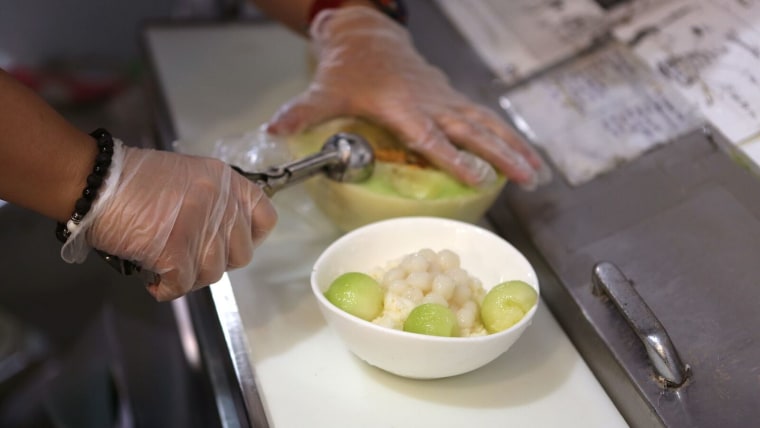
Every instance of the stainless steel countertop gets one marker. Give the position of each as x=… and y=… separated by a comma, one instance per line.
x=682, y=223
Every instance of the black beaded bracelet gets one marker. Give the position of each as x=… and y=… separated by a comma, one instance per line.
x=94, y=182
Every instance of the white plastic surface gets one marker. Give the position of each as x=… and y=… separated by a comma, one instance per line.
x=309, y=378
x=211, y=78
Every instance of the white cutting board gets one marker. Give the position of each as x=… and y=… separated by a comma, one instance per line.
x=229, y=79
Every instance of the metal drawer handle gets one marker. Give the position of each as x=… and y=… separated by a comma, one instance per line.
x=608, y=279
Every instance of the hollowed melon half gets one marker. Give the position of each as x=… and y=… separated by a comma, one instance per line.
x=403, y=184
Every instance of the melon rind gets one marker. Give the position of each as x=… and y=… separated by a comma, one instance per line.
x=351, y=205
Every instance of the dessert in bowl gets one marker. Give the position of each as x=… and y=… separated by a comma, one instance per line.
x=377, y=337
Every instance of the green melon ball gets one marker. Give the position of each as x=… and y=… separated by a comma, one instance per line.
x=358, y=294
x=432, y=319
x=506, y=304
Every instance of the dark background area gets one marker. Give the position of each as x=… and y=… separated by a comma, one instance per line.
x=81, y=345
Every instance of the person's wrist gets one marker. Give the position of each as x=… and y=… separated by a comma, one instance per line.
x=366, y=3
x=318, y=6
x=103, y=183
x=394, y=9
x=104, y=144
x=79, y=166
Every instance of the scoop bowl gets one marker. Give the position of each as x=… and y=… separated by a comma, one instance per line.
x=483, y=254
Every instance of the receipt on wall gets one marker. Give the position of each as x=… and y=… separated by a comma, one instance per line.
x=598, y=111
x=709, y=51
x=517, y=38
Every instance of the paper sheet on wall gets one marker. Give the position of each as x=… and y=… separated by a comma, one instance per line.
x=709, y=51
x=598, y=111
x=519, y=37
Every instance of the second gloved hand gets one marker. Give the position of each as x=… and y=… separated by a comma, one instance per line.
x=187, y=218
x=368, y=67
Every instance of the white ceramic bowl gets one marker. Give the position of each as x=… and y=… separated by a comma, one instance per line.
x=483, y=254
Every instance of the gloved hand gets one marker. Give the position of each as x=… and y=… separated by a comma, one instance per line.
x=186, y=218
x=368, y=67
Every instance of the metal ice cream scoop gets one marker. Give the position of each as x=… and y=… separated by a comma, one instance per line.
x=344, y=157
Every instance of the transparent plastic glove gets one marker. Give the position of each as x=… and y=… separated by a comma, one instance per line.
x=368, y=67
x=187, y=218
